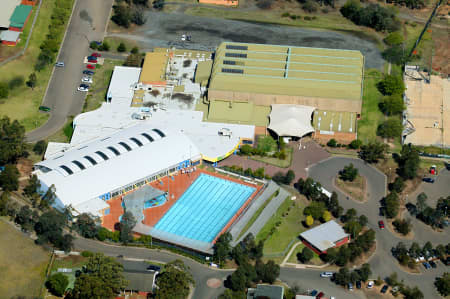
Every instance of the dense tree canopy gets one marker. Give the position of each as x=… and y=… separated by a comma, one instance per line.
x=86, y=226
x=390, y=128
x=372, y=151
x=349, y=173
x=373, y=15
x=392, y=105
x=9, y=178
x=222, y=248
x=391, y=85
x=443, y=284
x=174, y=281
x=57, y=284
x=408, y=162
x=12, y=136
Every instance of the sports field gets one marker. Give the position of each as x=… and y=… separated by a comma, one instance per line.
x=22, y=262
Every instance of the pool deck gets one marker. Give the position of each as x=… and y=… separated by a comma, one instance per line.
x=177, y=187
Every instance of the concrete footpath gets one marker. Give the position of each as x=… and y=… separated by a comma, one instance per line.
x=268, y=211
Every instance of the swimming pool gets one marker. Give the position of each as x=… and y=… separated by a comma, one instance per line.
x=205, y=208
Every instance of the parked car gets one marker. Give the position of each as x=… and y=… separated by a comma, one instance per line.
x=44, y=108
x=86, y=80
x=59, y=64
x=313, y=292
x=432, y=264
x=426, y=265
x=384, y=288
x=326, y=274
x=91, y=66
x=350, y=286
x=446, y=261
x=381, y=224
x=95, y=54
x=153, y=268
x=88, y=72
x=320, y=295
x=92, y=60
x=358, y=284
x=83, y=87
x=370, y=284
x=428, y=180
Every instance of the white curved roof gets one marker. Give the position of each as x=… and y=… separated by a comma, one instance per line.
x=92, y=169
x=291, y=120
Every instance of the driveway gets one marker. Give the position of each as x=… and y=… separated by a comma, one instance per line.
x=165, y=30
x=88, y=23
x=382, y=262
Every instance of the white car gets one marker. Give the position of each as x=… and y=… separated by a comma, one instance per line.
x=326, y=274
x=370, y=284
x=86, y=80
x=59, y=64
x=83, y=87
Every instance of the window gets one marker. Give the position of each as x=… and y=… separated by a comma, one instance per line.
x=77, y=163
x=236, y=47
x=150, y=138
x=234, y=71
x=136, y=141
x=237, y=55
x=159, y=132
x=230, y=62
x=105, y=157
x=67, y=169
x=126, y=146
x=90, y=160
x=115, y=151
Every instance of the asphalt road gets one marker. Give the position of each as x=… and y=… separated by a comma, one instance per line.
x=165, y=30
x=382, y=262
x=88, y=23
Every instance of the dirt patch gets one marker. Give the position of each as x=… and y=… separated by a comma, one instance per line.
x=356, y=190
x=25, y=167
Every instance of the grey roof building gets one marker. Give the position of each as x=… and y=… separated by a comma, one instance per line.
x=324, y=236
x=265, y=291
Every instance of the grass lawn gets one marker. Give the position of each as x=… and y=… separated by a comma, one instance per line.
x=275, y=161
x=23, y=102
x=371, y=115
x=99, y=87
x=289, y=217
x=73, y=262
x=355, y=189
x=256, y=215
x=22, y=264
x=293, y=258
x=115, y=41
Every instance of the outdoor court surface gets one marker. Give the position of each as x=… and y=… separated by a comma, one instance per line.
x=205, y=208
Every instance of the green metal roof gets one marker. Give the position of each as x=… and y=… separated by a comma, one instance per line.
x=20, y=15
x=286, y=70
x=238, y=112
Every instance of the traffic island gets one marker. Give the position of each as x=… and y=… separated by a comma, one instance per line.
x=355, y=189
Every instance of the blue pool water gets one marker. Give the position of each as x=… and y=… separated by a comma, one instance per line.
x=204, y=208
x=155, y=202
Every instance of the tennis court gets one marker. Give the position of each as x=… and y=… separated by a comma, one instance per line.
x=205, y=208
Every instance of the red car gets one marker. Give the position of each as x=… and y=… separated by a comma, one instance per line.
x=320, y=295
x=92, y=60
x=95, y=54
x=91, y=66
x=381, y=224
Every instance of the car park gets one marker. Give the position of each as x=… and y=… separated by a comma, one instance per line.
x=384, y=288
x=326, y=274
x=426, y=265
x=59, y=64
x=370, y=284
x=83, y=87
x=44, y=108
x=432, y=264
x=428, y=180
x=90, y=66
x=381, y=224
x=86, y=80
x=88, y=72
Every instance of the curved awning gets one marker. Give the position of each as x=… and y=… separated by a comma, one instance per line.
x=291, y=120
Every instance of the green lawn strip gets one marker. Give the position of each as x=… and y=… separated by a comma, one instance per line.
x=115, y=41
x=371, y=114
x=22, y=263
x=256, y=215
x=23, y=102
x=289, y=216
x=99, y=87
x=293, y=258
x=275, y=161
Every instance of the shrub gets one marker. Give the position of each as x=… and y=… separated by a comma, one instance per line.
x=39, y=147
x=349, y=173
x=57, y=284
x=332, y=142
x=391, y=85
x=285, y=15
x=264, y=4
x=402, y=226
x=392, y=105
x=87, y=253
x=394, y=38
x=309, y=220
x=135, y=50
x=355, y=144
x=306, y=255
x=121, y=47
x=390, y=128
x=104, y=47
x=93, y=45
x=309, y=6
x=307, y=18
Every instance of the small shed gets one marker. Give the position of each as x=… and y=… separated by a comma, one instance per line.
x=9, y=37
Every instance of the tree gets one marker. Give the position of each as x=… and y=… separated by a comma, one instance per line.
x=49, y=227
x=57, y=284
x=392, y=205
x=342, y=277
x=364, y=272
x=268, y=272
x=127, y=223
x=392, y=105
x=390, y=128
x=332, y=142
x=104, y=46
x=86, y=226
x=349, y=173
x=39, y=147
x=135, y=50
x=353, y=228
x=290, y=176
x=330, y=256
x=402, y=226
x=4, y=90
x=326, y=216
x=394, y=38
x=9, y=178
x=101, y=278
x=26, y=218
x=93, y=45
x=4, y=203
x=32, y=187
x=363, y=220
x=355, y=144
x=372, y=152
x=122, y=15
x=349, y=215
x=48, y=199
x=237, y=280
x=309, y=220
x=121, y=47
x=391, y=85
x=137, y=17
x=398, y=185
x=312, y=190
x=408, y=162
x=443, y=284
x=32, y=79
x=306, y=255
x=412, y=293
x=421, y=202
x=315, y=209
x=222, y=248
x=12, y=144
x=174, y=282
x=229, y=294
